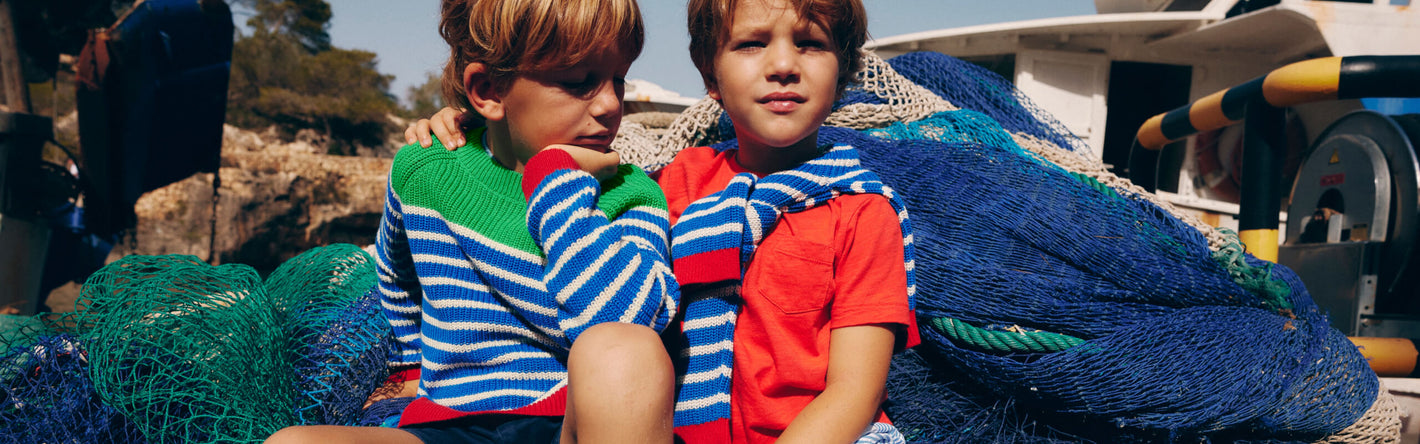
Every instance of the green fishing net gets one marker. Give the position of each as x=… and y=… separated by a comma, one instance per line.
x=184, y=351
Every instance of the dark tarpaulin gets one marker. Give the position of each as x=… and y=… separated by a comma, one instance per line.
x=152, y=99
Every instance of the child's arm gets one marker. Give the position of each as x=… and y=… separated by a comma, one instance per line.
x=400, y=294
x=858, y=361
x=870, y=309
x=597, y=269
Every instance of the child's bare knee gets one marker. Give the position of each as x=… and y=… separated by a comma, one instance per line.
x=293, y=435
x=615, y=346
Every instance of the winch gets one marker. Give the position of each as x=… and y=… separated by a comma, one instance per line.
x=1352, y=224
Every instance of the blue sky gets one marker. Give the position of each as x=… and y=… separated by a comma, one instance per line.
x=405, y=33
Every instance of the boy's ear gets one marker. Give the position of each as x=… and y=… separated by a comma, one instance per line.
x=478, y=86
x=712, y=90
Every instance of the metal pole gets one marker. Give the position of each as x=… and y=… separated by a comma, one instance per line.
x=14, y=92
x=1261, y=187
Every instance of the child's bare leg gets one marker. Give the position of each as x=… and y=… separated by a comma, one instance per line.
x=341, y=434
x=621, y=387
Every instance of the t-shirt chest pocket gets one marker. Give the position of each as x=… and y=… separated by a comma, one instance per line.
x=794, y=275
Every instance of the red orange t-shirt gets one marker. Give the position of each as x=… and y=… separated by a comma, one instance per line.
x=838, y=264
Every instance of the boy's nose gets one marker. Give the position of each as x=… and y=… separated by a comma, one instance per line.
x=783, y=64
x=607, y=99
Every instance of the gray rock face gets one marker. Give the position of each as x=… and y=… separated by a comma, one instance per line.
x=276, y=200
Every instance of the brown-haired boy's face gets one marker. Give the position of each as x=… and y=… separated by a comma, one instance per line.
x=776, y=76
x=579, y=106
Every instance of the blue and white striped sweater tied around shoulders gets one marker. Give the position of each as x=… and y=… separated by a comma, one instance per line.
x=738, y=218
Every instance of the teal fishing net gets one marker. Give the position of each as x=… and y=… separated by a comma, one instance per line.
x=175, y=350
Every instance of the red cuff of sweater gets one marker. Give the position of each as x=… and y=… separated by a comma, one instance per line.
x=542, y=165
x=716, y=431
x=411, y=374
x=708, y=267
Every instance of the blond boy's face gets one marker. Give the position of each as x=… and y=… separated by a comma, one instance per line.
x=580, y=106
x=777, y=78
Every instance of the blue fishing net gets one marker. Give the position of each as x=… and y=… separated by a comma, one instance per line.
x=1172, y=340
x=46, y=396
x=1060, y=308
x=339, y=337
x=930, y=405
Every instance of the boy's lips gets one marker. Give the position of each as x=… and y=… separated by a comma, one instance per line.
x=599, y=144
x=782, y=102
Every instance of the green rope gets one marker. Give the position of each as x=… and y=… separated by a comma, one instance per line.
x=1257, y=279
x=1004, y=341
x=1092, y=183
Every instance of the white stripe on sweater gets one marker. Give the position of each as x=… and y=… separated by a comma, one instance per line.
x=461, y=230
x=689, y=236
x=605, y=296
x=411, y=309
x=495, y=361
x=708, y=375
x=692, y=404
x=572, y=250
x=592, y=269
x=475, y=346
x=469, y=399
x=431, y=236
x=494, y=376
x=552, y=214
x=737, y=202
x=713, y=321
x=709, y=348
x=651, y=227
x=638, y=303
x=549, y=186
x=481, y=327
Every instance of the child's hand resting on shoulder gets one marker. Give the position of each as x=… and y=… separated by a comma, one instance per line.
x=445, y=124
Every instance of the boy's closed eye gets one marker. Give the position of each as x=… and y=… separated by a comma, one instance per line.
x=586, y=84
x=748, y=45
x=578, y=85
x=813, y=44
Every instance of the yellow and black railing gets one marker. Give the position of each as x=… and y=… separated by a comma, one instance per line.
x=1261, y=103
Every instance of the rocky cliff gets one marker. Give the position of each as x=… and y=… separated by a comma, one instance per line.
x=275, y=200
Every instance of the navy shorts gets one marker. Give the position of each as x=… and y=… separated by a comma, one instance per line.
x=492, y=429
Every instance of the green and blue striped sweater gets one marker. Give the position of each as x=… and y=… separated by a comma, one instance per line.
x=486, y=287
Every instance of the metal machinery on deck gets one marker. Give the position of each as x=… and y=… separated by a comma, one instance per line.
x=1353, y=224
x=1352, y=218
x=151, y=105
x=23, y=232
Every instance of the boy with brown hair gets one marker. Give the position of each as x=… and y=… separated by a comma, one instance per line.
x=525, y=276
x=794, y=261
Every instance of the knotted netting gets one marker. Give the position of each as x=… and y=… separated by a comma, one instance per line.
x=1060, y=302
x=171, y=349
x=339, y=334
x=47, y=396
